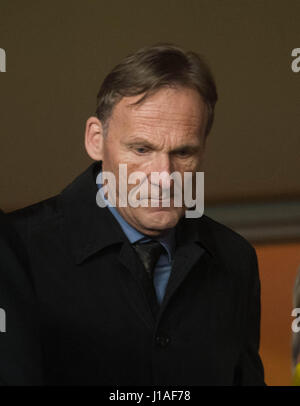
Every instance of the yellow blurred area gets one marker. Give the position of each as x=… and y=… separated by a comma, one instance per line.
x=296, y=375
x=278, y=264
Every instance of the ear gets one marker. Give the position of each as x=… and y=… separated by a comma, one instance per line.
x=93, y=138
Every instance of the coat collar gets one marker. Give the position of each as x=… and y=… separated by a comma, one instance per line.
x=91, y=228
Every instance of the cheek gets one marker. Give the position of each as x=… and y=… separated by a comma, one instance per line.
x=111, y=157
x=134, y=163
x=121, y=155
x=188, y=165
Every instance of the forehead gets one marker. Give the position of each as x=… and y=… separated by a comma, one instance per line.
x=171, y=107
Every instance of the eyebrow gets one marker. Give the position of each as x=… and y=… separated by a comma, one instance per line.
x=140, y=141
x=187, y=147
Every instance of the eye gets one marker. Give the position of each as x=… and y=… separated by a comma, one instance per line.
x=182, y=153
x=141, y=150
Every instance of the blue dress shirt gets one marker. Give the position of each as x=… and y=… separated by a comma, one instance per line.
x=163, y=266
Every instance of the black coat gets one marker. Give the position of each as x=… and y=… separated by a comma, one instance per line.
x=20, y=352
x=96, y=322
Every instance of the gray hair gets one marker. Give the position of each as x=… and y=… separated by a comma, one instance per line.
x=152, y=68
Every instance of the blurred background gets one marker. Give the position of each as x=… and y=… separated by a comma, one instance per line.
x=58, y=53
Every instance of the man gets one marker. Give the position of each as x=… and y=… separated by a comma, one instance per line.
x=144, y=295
x=20, y=352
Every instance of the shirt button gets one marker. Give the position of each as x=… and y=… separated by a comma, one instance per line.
x=162, y=341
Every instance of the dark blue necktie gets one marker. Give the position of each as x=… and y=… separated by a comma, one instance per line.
x=149, y=253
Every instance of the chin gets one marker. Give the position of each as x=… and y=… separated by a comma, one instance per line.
x=160, y=218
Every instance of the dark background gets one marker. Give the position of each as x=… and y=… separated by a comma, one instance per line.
x=58, y=53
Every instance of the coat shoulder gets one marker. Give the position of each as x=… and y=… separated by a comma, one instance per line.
x=224, y=235
x=35, y=215
x=231, y=246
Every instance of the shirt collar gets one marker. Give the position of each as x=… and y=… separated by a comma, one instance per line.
x=167, y=240
x=89, y=228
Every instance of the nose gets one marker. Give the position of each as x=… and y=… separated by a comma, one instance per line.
x=162, y=164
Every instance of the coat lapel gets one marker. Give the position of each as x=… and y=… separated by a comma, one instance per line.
x=136, y=295
x=185, y=258
x=90, y=229
x=195, y=246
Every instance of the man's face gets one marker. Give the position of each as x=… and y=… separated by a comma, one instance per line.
x=164, y=133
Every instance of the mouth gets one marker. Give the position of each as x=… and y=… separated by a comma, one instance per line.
x=166, y=202
x=159, y=204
